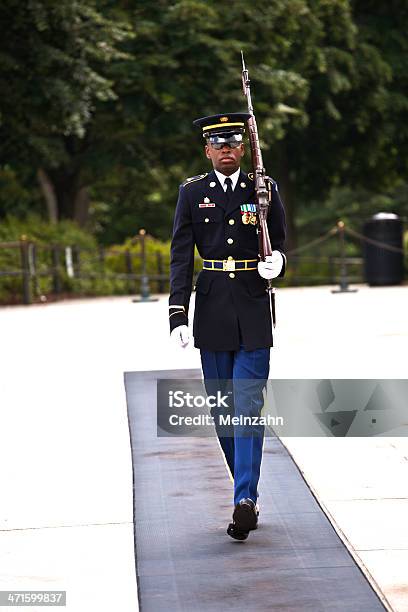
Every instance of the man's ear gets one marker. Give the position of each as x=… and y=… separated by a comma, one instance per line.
x=207, y=151
x=242, y=150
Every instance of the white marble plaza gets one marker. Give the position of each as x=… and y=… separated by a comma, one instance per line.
x=66, y=477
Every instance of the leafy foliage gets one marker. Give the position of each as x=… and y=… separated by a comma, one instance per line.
x=101, y=96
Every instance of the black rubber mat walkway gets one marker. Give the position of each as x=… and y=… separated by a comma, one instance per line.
x=183, y=503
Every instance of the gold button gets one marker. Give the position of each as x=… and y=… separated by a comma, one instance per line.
x=230, y=257
x=231, y=221
x=206, y=219
x=230, y=241
x=231, y=275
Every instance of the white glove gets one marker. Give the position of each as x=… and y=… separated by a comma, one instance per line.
x=272, y=266
x=180, y=336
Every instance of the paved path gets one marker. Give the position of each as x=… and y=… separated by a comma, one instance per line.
x=66, y=515
x=185, y=561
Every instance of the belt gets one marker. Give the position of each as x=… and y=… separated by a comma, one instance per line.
x=230, y=264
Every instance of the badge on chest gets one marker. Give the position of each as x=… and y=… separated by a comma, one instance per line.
x=206, y=204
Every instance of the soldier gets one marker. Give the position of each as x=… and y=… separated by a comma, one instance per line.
x=232, y=326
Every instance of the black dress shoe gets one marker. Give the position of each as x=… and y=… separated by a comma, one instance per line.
x=236, y=533
x=245, y=519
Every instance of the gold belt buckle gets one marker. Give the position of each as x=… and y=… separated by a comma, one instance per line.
x=228, y=265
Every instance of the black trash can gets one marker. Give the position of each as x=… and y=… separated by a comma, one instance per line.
x=383, y=266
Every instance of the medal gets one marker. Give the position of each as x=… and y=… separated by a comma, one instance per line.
x=248, y=212
x=251, y=208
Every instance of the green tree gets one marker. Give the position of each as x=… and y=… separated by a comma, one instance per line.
x=54, y=59
x=319, y=86
x=356, y=108
x=104, y=95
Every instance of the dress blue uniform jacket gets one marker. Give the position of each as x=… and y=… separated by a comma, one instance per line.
x=231, y=309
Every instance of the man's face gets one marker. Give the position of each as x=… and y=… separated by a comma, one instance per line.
x=225, y=160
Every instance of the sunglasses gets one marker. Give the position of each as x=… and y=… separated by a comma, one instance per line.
x=220, y=145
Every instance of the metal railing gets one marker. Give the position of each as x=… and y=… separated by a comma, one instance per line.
x=28, y=262
x=141, y=269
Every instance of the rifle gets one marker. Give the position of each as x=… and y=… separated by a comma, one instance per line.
x=263, y=186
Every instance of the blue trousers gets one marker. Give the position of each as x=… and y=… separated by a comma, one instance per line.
x=242, y=375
